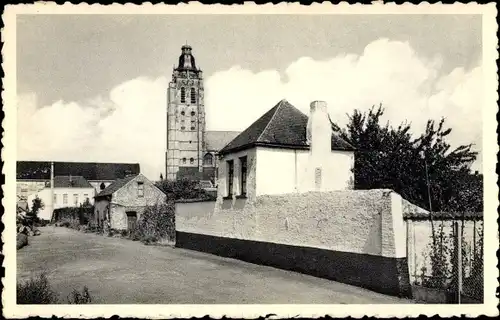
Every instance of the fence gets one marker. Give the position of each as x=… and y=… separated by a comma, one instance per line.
x=445, y=257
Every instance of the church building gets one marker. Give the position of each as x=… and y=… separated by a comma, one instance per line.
x=191, y=150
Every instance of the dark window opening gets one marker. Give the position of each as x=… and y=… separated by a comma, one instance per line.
x=208, y=159
x=191, y=160
x=183, y=95
x=193, y=113
x=183, y=128
x=230, y=176
x=243, y=161
x=193, y=128
x=183, y=160
x=140, y=189
x=193, y=96
x=182, y=113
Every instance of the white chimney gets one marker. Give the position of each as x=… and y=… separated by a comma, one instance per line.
x=319, y=138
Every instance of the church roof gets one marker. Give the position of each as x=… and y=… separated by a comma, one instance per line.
x=71, y=182
x=216, y=140
x=89, y=170
x=284, y=126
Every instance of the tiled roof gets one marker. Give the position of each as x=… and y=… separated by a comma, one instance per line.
x=71, y=182
x=216, y=140
x=115, y=186
x=88, y=170
x=283, y=126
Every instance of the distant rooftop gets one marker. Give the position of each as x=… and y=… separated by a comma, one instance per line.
x=96, y=171
x=115, y=186
x=71, y=182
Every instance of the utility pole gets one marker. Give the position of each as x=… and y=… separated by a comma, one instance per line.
x=52, y=190
x=429, y=195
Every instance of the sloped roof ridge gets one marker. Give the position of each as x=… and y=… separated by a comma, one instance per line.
x=280, y=104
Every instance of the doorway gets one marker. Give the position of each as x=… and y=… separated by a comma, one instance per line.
x=131, y=220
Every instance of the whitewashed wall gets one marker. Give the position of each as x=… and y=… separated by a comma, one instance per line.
x=361, y=221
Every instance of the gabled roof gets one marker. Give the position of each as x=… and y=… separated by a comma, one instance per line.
x=71, y=182
x=216, y=140
x=115, y=186
x=88, y=170
x=284, y=126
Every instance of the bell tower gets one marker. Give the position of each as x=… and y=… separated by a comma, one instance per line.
x=185, y=119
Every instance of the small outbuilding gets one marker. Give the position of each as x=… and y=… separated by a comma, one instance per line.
x=122, y=203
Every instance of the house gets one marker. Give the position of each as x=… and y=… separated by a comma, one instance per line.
x=69, y=191
x=33, y=176
x=122, y=203
x=72, y=191
x=285, y=151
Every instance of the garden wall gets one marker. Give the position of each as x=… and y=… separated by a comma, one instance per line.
x=355, y=237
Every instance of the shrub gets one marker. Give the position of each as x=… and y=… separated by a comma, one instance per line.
x=80, y=298
x=36, y=291
x=22, y=240
x=157, y=222
x=65, y=224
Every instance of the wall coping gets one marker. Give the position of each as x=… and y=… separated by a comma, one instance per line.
x=195, y=200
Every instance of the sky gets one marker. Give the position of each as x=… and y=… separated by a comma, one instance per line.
x=93, y=87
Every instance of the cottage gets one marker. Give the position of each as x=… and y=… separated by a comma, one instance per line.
x=285, y=151
x=122, y=203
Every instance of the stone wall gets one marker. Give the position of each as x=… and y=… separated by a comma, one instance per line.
x=364, y=226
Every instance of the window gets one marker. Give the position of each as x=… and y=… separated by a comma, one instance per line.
x=65, y=198
x=193, y=113
x=191, y=160
x=102, y=186
x=193, y=128
x=75, y=199
x=183, y=160
x=193, y=95
x=182, y=113
x=183, y=128
x=140, y=189
x=230, y=174
x=183, y=95
x=208, y=159
x=243, y=162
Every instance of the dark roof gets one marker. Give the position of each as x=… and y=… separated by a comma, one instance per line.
x=89, y=170
x=216, y=140
x=71, y=182
x=283, y=126
x=115, y=186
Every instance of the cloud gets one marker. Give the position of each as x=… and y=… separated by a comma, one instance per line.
x=128, y=125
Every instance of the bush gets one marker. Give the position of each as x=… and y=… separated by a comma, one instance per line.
x=157, y=223
x=22, y=240
x=80, y=298
x=36, y=291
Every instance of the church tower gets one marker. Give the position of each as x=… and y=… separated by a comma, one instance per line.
x=185, y=120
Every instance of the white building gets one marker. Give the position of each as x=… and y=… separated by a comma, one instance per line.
x=69, y=191
x=285, y=151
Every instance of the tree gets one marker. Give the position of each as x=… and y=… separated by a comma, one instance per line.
x=390, y=157
x=182, y=189
x=36, y=206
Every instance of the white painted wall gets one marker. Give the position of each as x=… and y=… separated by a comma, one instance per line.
x=81, y=195
x=357, y=221
x=282, y=171
x=222, y=185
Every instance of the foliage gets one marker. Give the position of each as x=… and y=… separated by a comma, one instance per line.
x=36, y=291
x=31, y=217
x=22, y=240
x=80, y=298
x=390, y=157
x=440, y=249
x=81, y=215
x=157, y=222
x=182, y=189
